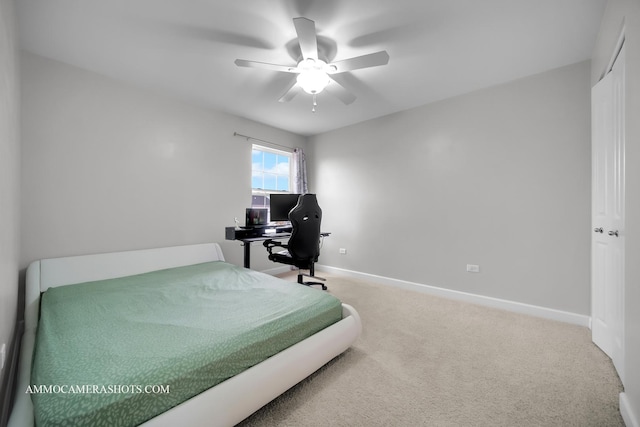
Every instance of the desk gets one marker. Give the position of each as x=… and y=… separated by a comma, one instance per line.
x=246, y=241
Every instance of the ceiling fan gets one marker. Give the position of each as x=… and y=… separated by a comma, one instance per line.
x=314, y=74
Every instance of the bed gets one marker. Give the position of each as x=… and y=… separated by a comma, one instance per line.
x=224, y=404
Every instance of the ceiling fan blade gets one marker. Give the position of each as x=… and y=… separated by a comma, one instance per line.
x=306, y=30
x=364, y=61
x=266, y=66
x=339, y=91
x=291, y=91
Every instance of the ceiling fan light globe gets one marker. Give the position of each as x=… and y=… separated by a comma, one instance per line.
x=313, y=81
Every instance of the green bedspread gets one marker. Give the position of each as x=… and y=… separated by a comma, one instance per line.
x=119, y=352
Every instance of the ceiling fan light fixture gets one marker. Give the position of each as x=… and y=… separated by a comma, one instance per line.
x=313, y=81
x=312, y=77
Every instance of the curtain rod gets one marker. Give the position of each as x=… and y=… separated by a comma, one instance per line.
x=261, y=140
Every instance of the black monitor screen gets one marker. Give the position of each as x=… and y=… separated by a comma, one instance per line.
x=256, y=217
x=281, y=204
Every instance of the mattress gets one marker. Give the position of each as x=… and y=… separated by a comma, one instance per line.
x=119, y=352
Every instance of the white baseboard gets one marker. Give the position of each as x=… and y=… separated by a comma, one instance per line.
x=627, y=412
x=517, y=307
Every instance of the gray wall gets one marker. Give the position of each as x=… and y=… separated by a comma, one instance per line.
x=9, y=174
x=498, y=177
x=108, y=167
x=627, y=12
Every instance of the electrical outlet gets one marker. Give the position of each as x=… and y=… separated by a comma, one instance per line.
x=343, y=251
x=3, y=353
x=472, y=268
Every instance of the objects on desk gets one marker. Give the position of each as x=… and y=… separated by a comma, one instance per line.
x=240, y=233
x=233, y=233
x=256, y=217
x=280, y=204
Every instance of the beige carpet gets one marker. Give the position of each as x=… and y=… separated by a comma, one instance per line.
x=428, y=361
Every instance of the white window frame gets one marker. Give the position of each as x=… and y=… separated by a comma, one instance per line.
x=263, y=192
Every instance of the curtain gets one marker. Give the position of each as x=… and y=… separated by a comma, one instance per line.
x=299, y=172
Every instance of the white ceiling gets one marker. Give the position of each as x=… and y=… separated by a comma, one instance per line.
x=187, y=48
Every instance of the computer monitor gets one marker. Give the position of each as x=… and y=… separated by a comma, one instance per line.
x=280, y=204
x=256, y=217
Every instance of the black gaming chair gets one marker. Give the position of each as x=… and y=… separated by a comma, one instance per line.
x=303, y=248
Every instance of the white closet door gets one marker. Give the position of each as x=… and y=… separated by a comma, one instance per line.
x=607, y=263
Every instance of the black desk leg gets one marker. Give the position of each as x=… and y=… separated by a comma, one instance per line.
x=247, y=254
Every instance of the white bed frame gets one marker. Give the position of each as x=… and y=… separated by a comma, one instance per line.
x=227, y=403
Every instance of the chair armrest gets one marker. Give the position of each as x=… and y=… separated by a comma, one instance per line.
x=270, y=244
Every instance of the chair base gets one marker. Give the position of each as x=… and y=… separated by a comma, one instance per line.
x=302, y=282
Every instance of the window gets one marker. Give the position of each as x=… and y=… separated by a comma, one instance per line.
x=270, y=173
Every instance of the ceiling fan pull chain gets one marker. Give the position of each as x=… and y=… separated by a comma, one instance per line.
x=313, y=110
